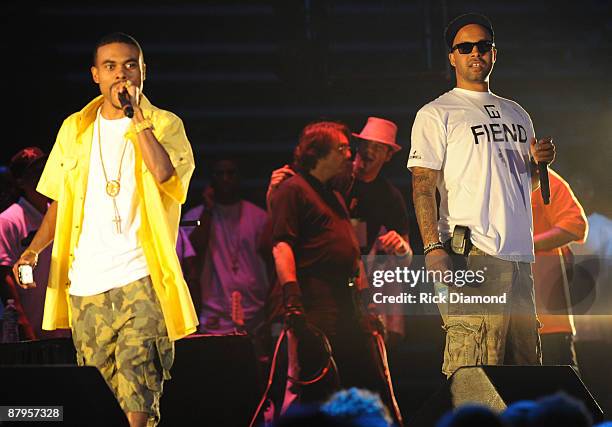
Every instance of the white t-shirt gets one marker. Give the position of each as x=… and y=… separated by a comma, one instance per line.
x=480, y=143
x=105, y=259
x=235, y=232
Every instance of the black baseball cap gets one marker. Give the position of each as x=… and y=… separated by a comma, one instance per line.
x=461, y=21
x=26, y=159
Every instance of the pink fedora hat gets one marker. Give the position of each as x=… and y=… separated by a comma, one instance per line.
x=380, y=130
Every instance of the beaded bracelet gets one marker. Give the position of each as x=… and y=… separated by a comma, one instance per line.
x=432, y=246
x=145, y=124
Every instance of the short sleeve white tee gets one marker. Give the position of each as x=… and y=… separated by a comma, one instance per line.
x=105, y=258
x=235, y=232
x=480, y=143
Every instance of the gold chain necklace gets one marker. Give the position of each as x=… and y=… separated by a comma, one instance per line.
x=112, y=186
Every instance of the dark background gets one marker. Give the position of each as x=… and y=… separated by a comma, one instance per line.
x=246, y=76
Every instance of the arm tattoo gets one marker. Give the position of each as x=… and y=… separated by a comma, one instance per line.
x=424, y=198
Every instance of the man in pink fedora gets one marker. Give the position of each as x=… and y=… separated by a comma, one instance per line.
x=377, y=208
x=372, y=200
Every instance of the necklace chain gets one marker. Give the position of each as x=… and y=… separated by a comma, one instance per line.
x=233, y=246
x=112, y=186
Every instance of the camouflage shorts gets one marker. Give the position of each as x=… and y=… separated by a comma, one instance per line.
x=122, y=333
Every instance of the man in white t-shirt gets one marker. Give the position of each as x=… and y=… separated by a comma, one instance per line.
x=477, y=148
x=231, y=283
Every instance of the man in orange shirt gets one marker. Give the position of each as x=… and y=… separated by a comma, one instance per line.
x=555, y=226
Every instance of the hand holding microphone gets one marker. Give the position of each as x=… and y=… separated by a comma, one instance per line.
x=543, y=152
x=124, y=100
x=126, y=104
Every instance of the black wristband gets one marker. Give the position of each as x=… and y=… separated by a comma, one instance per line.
x=291, y=293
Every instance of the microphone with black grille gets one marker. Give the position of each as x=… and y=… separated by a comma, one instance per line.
x=126, y=104
x=544, y=185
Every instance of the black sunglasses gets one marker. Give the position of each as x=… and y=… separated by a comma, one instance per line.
x=483, y=46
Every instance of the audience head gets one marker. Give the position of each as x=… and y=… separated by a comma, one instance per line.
x=471, y=416
x=361, y=407
x=560, y=409
x=309, y=416
x=517, y=413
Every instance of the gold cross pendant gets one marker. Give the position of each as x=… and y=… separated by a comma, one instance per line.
x=117, y=217
x=117, y=221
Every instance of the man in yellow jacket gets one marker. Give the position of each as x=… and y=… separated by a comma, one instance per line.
x=118, y=173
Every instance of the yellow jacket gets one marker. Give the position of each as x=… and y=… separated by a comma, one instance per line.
x=64, y=179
